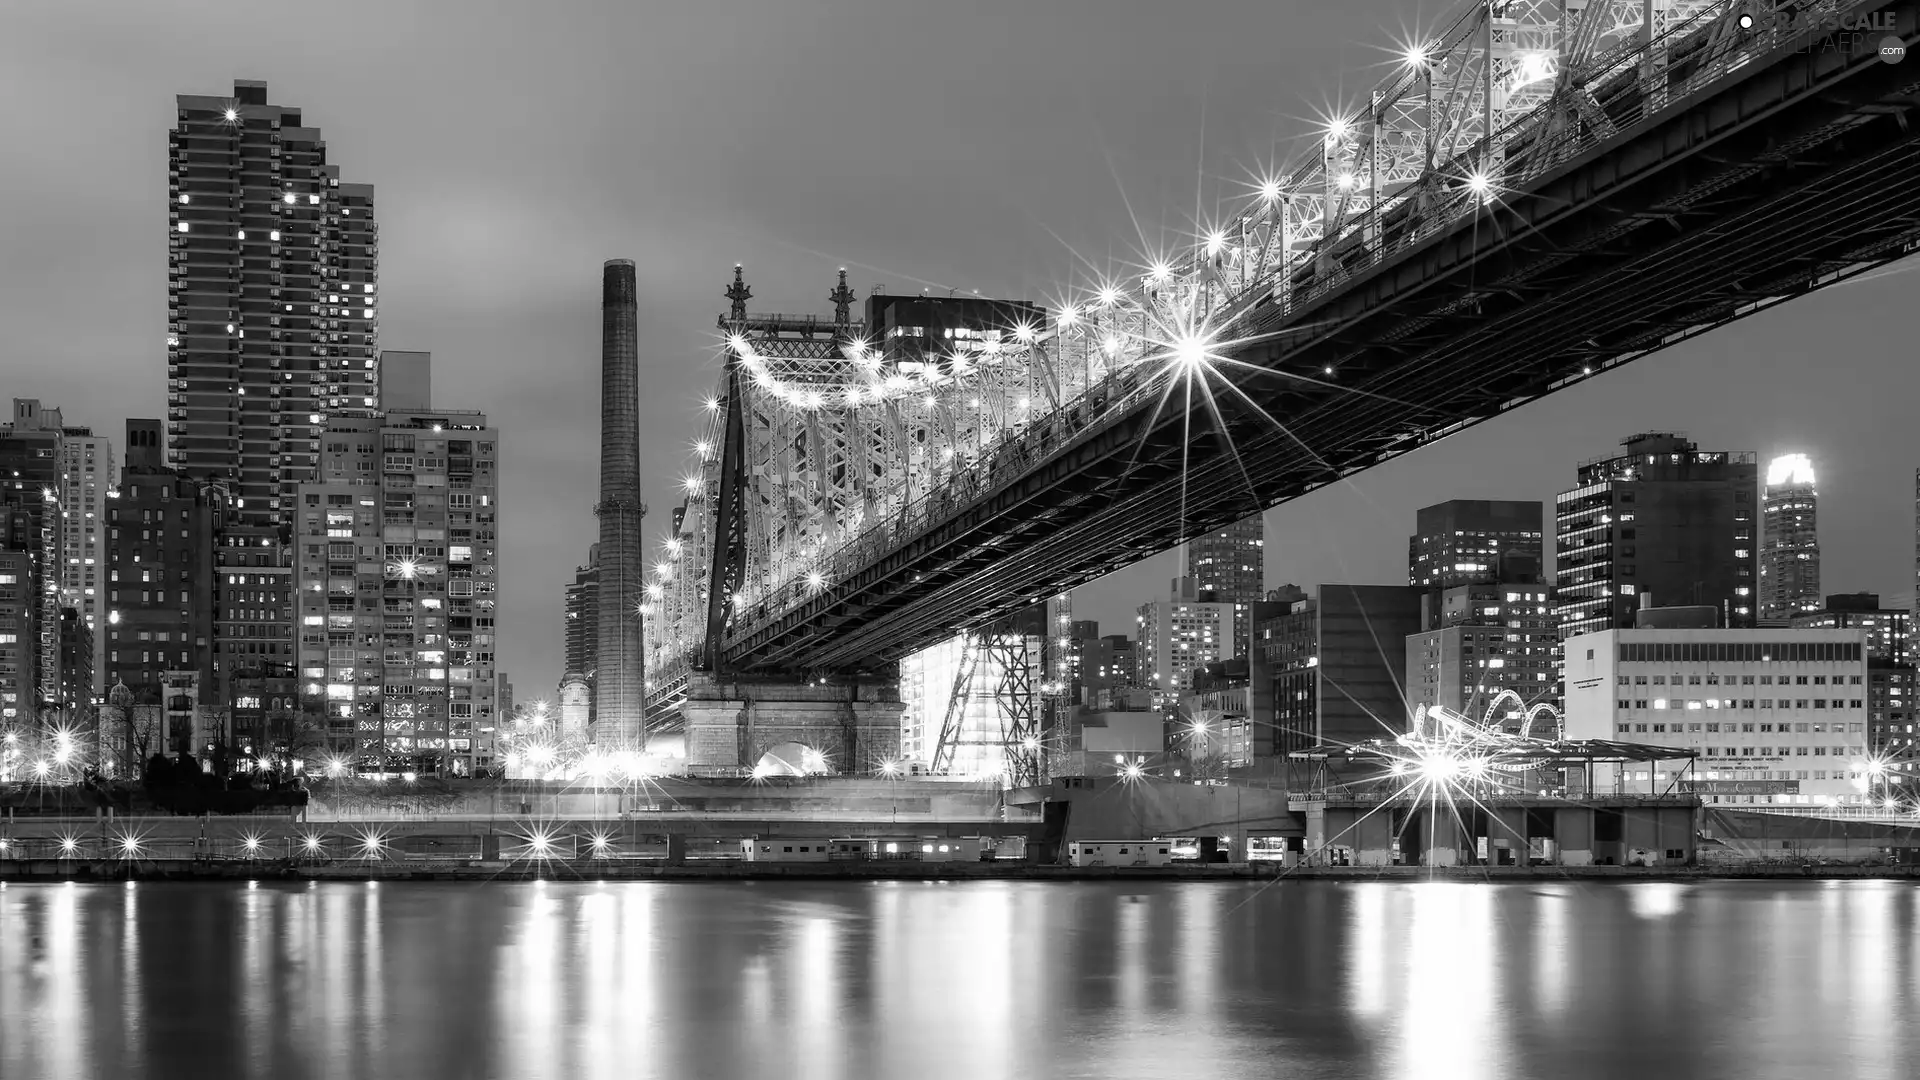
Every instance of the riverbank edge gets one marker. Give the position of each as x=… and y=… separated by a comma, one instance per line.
x=43, y=871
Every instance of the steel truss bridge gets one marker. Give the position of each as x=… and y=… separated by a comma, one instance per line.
x=1541, y=191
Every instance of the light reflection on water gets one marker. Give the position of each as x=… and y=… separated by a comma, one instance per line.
x=975, y=980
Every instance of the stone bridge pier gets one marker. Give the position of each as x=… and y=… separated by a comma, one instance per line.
x=731, y=722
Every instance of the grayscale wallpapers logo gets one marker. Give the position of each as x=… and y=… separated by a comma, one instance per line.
x=1851, y=34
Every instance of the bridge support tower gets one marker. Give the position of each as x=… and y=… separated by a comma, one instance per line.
x=731, y=722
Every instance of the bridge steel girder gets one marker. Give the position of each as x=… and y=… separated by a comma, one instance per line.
x=1813, y=176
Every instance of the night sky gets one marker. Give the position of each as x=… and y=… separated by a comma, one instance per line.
x=1009, y=147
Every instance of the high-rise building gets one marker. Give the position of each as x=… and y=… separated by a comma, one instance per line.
x=1914, y=616
x=31, y=524
x=162, y=532
x=1472, y=541
x=1887, y=628
x=75, y=706
x=1230, y=563
x=397, y=564
x=1481, y=640
x=1663, y=518
x=1179, y=636
x=1891, y=679
x=1789, y=541
x=272, y=294
x=583, y=615
x=1336, y=661
x=87, y=472
x=19, y=621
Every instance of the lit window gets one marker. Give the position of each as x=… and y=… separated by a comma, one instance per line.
x=183, y=226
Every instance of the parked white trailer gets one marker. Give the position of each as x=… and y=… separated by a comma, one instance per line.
x=1120, y=853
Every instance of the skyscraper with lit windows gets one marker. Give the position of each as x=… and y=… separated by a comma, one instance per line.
x=272, y=284
x=397, y=543
x=1230, y=563
x=1789, y=541
x=1664, y=523
x=1475, y=541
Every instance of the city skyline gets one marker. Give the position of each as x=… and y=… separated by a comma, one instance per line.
x=486, y=283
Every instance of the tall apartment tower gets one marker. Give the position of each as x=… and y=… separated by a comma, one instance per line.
x=1180, y=635
x=1663, y=518
x=1230, y=563
x=31, y=531
x=583, y=623
x=272, y=292
x=87, y=472
x=1789, y=542
x=398, y=561
x=1475, y=542
x=619, y=697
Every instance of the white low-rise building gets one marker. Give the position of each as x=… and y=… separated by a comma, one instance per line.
x=1777, y=717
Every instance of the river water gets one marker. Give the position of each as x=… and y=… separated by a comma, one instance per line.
x=981, y=980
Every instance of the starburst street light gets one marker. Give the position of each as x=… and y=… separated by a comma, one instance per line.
x=816, y=580
x=693, y=484
x=1190, y=351
x=1270, y=189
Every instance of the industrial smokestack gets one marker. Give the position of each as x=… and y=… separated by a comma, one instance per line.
x=619, y=690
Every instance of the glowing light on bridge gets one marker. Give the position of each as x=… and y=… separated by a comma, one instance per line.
x=816, y=580
x=694, y=485
x=1191, y=351
x=1109, y=296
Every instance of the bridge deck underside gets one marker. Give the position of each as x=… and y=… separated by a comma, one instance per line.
x=1779, y=180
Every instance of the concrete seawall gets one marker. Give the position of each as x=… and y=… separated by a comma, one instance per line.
x=50, y=871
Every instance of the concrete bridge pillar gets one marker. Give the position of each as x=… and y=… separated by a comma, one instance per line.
x=1442, y=837
x=730, y=723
